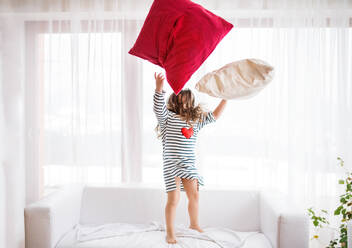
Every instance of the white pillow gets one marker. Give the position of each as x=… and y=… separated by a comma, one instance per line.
x=237, y=80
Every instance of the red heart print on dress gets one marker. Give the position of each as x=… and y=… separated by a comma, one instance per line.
x=187, y=132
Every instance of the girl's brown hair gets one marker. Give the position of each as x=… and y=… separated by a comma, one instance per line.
x=184, y=106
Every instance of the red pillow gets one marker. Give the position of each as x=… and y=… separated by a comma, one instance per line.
x=179, y=35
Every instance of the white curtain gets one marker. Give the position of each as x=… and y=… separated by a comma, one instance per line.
x=75, y=107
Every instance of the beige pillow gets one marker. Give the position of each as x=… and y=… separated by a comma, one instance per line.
x=237, y=80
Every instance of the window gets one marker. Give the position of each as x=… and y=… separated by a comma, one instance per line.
x=82, y=107
x=249, y=146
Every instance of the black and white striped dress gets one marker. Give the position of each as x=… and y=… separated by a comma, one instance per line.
x=178, y=150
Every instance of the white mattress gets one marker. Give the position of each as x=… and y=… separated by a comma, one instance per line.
x=154, y=239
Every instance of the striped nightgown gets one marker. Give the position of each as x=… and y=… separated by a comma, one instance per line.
x=178, y=151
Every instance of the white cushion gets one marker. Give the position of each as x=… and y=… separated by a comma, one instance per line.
x=240, y=79
x=237, y=210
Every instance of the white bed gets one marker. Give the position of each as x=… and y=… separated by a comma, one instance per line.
x=155, y=239
x=53, y=221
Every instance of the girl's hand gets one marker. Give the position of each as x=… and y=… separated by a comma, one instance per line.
x=159, y=81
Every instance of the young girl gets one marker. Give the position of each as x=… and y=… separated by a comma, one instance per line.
x=179, y=124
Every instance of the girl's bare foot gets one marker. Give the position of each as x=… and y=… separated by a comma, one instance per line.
x=171, y=239
x=196, y=228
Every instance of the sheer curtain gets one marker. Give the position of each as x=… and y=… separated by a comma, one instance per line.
x=288, y=137
x=83, y=111
x=75, y=107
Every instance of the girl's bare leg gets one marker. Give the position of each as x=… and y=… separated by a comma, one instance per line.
x=173, y=198
x=191, y=188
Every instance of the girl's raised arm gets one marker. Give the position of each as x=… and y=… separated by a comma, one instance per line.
x=212, y=116
x=219, y=109
x=159, y=107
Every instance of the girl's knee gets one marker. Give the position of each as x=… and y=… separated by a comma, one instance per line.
x=172, y=203
x=193, y=195
x=173, y=198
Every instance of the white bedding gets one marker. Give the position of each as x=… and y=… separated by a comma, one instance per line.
x=152, y=235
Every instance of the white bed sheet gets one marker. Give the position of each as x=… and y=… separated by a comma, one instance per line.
x=120, y=235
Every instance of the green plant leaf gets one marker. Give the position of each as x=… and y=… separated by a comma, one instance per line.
x=338, y=210
x=341, y=181
x=349, y=187
x=310, y=211
x=315, y=223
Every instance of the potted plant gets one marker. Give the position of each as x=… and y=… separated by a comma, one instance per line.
x=343, y=210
